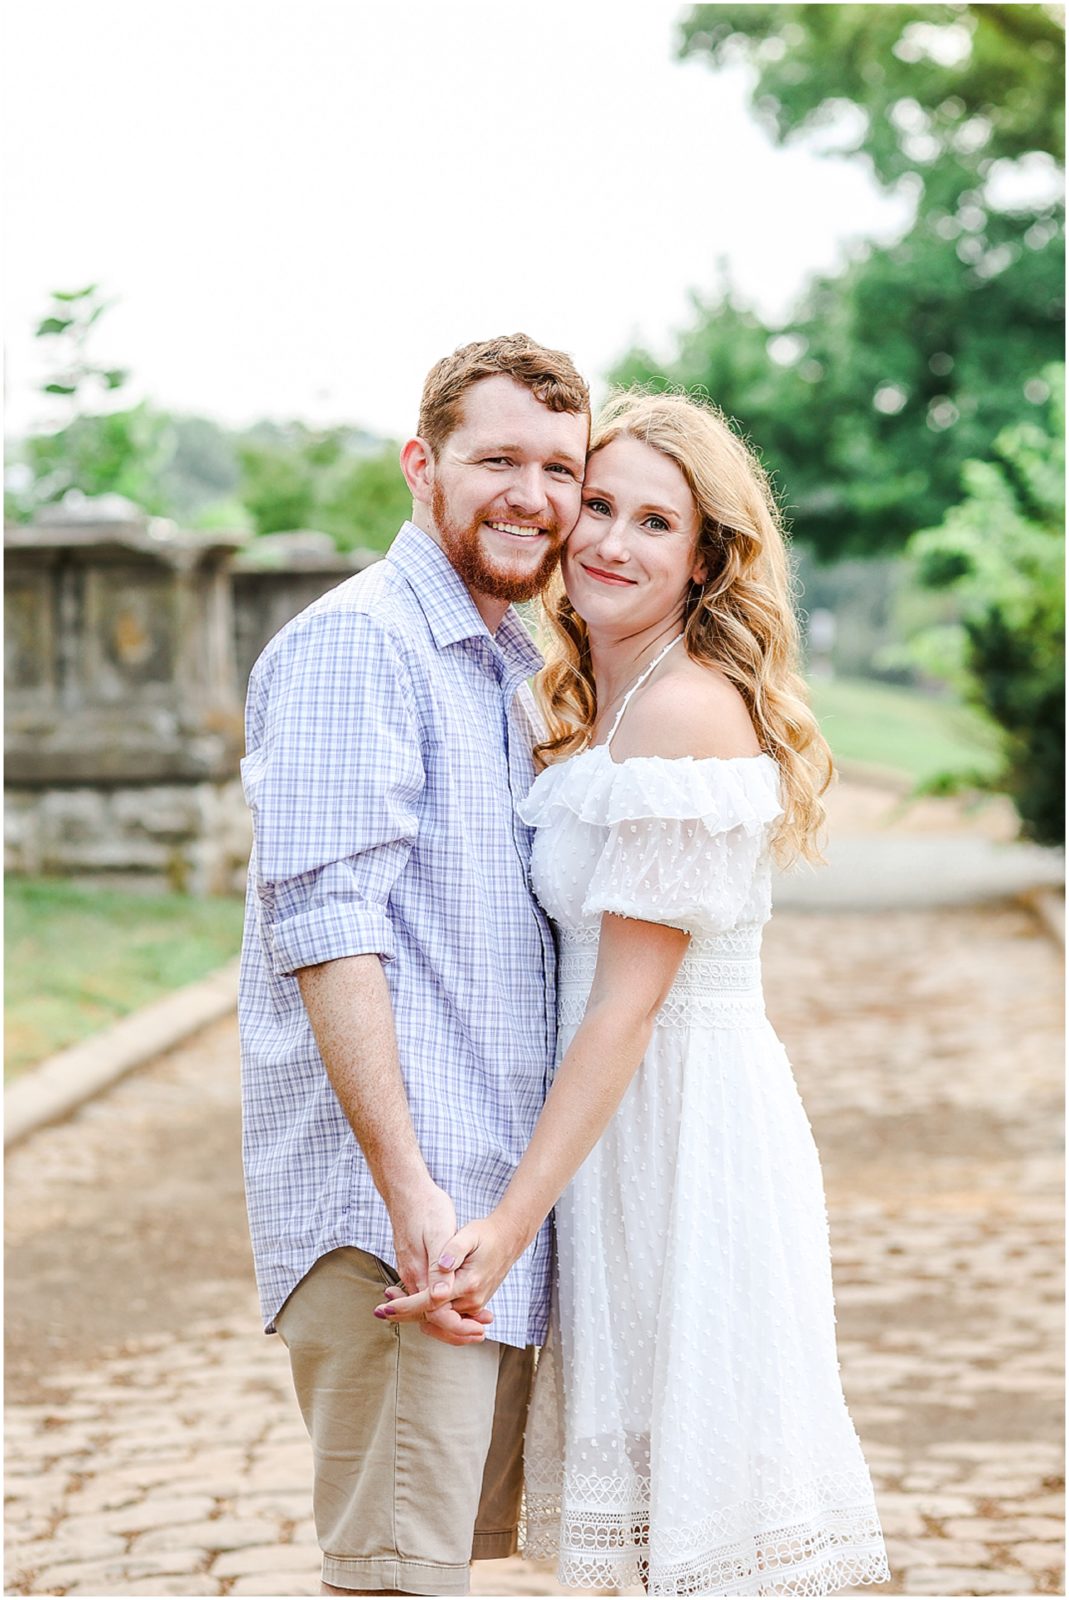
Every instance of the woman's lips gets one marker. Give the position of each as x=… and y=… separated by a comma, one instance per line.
x=605, y=577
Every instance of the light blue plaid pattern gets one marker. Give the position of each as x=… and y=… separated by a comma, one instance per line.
x=389, y=738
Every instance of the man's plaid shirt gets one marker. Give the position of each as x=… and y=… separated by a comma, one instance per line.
x=389, y=738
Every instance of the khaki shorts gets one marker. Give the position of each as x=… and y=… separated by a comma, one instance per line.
x=418, y=1445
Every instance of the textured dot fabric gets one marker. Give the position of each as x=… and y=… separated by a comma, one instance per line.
x=688, y=1429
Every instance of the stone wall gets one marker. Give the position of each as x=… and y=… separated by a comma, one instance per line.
x=190, y=837
x=128, y=648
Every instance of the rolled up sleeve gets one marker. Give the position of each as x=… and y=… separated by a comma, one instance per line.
x=333, y=778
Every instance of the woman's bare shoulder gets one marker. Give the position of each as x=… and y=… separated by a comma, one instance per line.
x=690, y=710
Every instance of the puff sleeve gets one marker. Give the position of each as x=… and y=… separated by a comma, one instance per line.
x=685, y=841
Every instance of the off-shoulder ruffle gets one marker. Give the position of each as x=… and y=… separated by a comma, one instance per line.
x=738, y=792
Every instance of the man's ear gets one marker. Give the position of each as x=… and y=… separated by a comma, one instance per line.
x=417, y=464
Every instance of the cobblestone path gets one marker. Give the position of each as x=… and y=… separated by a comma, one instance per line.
x=154, y=1446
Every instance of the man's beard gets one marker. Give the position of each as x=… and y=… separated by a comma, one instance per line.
x=464, y=548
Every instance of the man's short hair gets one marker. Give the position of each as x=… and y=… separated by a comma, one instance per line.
x=549, y=374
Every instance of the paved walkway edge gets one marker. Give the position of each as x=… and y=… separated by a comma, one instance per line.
x=65, y=1081
x=1049, y=907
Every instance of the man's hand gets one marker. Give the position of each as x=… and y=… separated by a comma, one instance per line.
x=424, y=1221
x=468, y=1271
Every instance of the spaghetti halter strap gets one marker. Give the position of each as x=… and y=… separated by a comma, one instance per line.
x=639, y=681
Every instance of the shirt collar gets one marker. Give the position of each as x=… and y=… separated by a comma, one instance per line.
x=451, y=613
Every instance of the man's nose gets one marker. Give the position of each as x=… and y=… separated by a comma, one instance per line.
x=527, y=490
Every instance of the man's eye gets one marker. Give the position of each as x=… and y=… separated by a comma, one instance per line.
x=558, y=466
x=496, y=461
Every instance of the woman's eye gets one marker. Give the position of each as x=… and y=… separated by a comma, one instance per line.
x=599, y=507
x=657, y=524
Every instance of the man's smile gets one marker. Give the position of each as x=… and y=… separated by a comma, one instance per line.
x=516, y=530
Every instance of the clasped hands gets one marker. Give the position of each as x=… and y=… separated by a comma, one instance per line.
x=453, y=1279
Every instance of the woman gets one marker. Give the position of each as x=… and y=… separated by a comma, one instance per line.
x=688, y=1427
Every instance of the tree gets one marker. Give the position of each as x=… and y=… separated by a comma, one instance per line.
x=277, y=483
x=70, y=321
x=203, y=473
x=276, y=476
x=893, y=373
x=937, y=92
x=336, y=480
x=94, y=451
x=365, y=506
x=1001, y=551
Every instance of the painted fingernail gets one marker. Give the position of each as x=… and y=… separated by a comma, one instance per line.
x=446, y=1262
x=380, y=1311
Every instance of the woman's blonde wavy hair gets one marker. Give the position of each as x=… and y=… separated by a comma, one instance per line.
x=741, y=619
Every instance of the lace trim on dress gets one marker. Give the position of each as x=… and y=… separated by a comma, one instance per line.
x=743, y=941
x=695, y=978
x=813, y=1540
x=678, y=1011
x=718, y=984
x=736, y=792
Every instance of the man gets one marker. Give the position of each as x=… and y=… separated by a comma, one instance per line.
x=397, y=1005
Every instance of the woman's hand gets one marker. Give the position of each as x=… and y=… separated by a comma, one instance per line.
x=424, y=1224
x=470, y=1269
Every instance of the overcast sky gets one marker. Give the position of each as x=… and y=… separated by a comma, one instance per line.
x=299, y=207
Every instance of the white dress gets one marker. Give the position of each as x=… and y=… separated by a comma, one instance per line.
x=688, y=1428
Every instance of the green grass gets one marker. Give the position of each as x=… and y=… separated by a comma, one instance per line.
x=884, y=726
x=77, y=960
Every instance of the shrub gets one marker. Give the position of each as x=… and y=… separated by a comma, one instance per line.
x=1001, y=552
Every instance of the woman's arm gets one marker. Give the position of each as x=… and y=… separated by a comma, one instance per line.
x=692, y=712
x=636, y=967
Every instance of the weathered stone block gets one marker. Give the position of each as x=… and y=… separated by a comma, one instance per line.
x=192, y=837
x=131, y=631
x=28, y=635
x=160, y=810
x=124, y=725
x=120, y=664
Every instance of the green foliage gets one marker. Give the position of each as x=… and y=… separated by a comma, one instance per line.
x=328, y=480
x=895, y=372
x=1001, y=551
x=95, y=452
x=117, y=452
x=276, y=484
x=221, y=516
x=367, y=503
x=941, y=89
x=202, y=474
x=271, y=478
x=877, y=604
